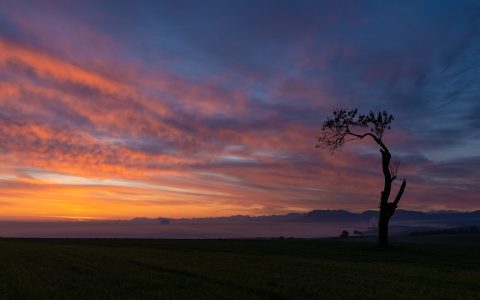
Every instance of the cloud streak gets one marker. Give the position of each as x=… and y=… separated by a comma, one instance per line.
x=181, y=111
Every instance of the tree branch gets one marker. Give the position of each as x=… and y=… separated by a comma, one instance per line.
x=376, y=139
x=400, y=193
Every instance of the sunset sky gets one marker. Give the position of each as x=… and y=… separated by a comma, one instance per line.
x=118, y=109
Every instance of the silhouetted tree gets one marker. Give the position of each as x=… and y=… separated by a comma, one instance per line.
x=345, y=126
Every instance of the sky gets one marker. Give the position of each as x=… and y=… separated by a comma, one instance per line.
x=119, y=109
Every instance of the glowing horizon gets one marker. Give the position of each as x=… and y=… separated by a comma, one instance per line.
x=122, y=109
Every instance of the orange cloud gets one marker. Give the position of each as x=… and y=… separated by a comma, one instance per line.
x=137, y=142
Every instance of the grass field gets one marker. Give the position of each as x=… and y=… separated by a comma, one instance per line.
x=238, y=269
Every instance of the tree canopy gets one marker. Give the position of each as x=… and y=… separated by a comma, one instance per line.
x=342, y=125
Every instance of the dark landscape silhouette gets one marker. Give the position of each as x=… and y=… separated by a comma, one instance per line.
x=313, y=224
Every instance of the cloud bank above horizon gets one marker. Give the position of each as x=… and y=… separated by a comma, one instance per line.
x=116, y=109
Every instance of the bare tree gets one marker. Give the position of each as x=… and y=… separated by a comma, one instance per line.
x=345, y=126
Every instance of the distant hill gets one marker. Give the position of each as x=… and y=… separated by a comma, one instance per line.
x=456, y=230
x=150, y=221
x=346, y=216
x=313, y=224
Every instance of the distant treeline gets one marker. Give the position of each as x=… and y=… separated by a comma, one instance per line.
x=467, y=229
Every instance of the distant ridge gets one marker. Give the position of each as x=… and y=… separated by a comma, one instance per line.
x=345, y=216
x=312, y=224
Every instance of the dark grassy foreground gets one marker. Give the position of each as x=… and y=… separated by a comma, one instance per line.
x=237, y=269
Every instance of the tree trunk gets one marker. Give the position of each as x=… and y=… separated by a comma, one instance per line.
x=382, y=231
x=387, y=209
x=386, y=212
x=383, y=216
